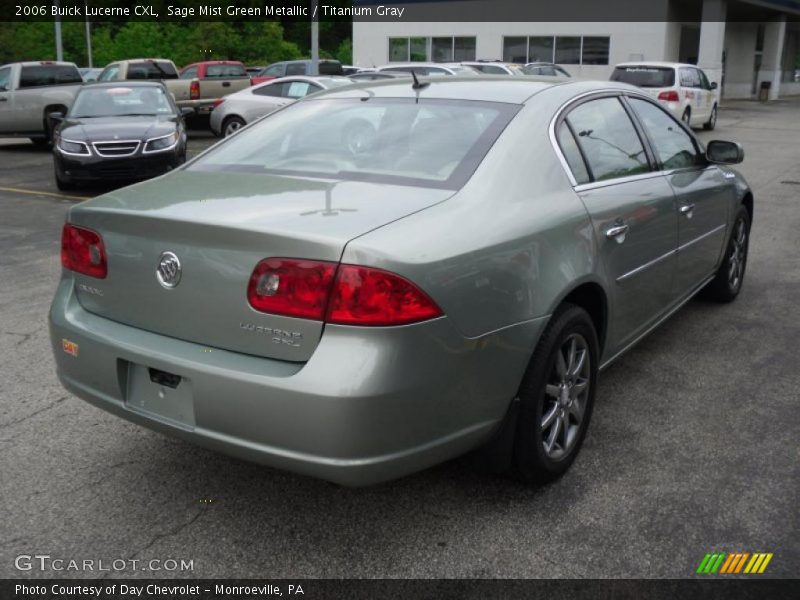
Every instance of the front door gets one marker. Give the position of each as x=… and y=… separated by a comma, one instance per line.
x=701, y=190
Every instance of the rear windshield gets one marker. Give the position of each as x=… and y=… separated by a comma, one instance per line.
x=330, y=68
x=641, y=76
x=430, y=143
x=226, y=71
x=152, y=69
x=49, y=75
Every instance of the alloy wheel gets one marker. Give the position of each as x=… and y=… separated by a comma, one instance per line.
x=566, y=396
x=738, y=255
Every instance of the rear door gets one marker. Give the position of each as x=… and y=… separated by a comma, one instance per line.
x=6, y=100
x=632, y=210
x=702, y=191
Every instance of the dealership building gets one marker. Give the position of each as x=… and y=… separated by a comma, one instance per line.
x=741, y=44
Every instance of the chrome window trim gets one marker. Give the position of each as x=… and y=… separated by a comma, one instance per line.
x=700, y=237
x=624, y=277
x=616, y=93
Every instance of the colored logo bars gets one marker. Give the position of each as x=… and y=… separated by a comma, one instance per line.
x=735, y=563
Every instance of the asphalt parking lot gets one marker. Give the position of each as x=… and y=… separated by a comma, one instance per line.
x=693, y=446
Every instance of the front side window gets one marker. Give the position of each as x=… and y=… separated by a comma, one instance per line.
x=608, y=139
x=273, y=71
x=295, y=69
x=299, y=89
x=703, y=80
x=674, y=147
x=110, y=74
x=431, y=143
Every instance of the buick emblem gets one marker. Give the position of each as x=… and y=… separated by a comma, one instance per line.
x=168, y=271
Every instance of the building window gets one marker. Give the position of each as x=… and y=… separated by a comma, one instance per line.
x=540, y=49
x=567, y=50
x=515, y=49
x=437, y=49
x=595, y=50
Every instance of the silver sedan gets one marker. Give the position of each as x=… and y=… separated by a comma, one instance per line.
x=364, y=284
x=245, y=106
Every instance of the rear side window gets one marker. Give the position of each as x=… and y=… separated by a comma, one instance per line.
x=225, y=71
x=109, y=74
x=674, y=147
x=49, y=75
x=296, y=69
x=273, y=89
x=657, y=77
x=298, y=89
x=572, y=154
x=155, y=69
x=608, y=139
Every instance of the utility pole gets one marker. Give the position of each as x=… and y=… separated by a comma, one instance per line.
x=59, y=48
x=88, y=39
x=314, y=39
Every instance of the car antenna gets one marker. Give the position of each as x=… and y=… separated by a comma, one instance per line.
x=417, y=85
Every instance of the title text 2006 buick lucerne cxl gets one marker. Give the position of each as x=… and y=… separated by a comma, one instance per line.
x=381, y=277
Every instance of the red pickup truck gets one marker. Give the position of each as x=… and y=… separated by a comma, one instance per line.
x=214, y=79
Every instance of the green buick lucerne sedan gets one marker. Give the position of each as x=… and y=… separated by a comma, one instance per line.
x=381, y=277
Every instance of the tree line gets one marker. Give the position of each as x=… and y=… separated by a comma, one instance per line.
x=252, y=42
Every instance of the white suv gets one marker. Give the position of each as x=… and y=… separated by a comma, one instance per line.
x=683, y=89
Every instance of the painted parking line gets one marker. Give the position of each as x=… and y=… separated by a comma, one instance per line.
x=41, y=193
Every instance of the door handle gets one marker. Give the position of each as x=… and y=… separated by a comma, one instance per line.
x=617, y=233
x=226, y=84
x=4, y=99
x=686, y=210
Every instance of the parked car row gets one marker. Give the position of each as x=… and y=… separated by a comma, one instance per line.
x=383, y=289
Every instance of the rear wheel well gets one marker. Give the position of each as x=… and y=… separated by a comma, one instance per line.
x=591, y=298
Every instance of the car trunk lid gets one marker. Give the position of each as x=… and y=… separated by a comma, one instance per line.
x=219, y=226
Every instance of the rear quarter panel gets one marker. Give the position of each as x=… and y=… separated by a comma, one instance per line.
x=508, y=246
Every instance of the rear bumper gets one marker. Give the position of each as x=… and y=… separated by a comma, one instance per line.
x=371, y=404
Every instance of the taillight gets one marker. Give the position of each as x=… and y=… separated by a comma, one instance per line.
x=294, y=288
x=194, y=90
x=669, y=96
x=347, y=295
x=82, y=250
x=364, y=296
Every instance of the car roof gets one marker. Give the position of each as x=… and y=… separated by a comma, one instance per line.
x=41, y=63
x=482, y=88
x=124, y=84
x=515, y=90
x=654, y=63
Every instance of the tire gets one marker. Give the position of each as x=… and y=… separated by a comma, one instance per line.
x=550, y=394
x=687, y=118
x=712, y=120
x=231, y=125
x=727, y=282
